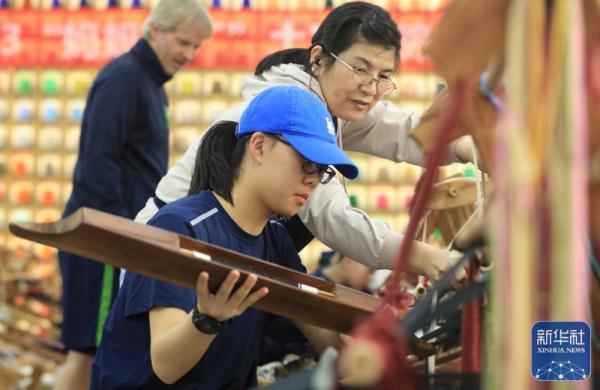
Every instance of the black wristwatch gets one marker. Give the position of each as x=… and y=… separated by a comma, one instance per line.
x=207, y=324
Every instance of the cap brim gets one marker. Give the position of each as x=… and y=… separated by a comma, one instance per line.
x=323, y=152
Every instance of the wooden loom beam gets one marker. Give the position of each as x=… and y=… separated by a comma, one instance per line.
x=174, y=258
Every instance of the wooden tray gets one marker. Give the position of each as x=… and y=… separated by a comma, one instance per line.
x=178, y=259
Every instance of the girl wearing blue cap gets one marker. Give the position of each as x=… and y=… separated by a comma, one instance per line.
x=158, y=333
x=349, y=65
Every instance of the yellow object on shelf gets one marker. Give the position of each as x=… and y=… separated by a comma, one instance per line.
x=187, y=83
x=78, y=82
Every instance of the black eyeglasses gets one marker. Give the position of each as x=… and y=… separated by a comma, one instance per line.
x=326, y=173
x=384, y=85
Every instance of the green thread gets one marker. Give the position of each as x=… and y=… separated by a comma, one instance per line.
x=105, y=299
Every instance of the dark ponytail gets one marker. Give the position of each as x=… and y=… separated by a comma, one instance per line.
x=285, y=56
x=218, y=160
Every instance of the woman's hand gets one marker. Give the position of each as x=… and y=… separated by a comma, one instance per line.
x=440, y=263
x=433, y=263
x=227, y=303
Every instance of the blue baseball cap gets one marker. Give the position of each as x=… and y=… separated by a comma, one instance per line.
x=302, y=119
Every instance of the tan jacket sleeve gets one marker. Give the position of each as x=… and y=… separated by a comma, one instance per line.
x=384, y=132
x=330, y=217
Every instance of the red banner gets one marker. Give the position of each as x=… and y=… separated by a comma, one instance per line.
x=89, y=38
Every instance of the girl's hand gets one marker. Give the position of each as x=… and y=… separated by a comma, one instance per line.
x=227, y=303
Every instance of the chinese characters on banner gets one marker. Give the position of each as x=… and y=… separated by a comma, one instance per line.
x=89, y=38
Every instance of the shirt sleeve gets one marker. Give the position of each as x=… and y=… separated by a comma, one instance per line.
x=384, y=132
x=109, y=115
x=145, y=293
x=330, y=217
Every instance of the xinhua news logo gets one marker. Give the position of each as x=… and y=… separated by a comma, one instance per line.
x=560, y=351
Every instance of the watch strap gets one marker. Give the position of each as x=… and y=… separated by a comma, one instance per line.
x=207, y=324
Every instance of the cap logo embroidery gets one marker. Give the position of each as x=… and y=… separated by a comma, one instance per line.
x=330, y=128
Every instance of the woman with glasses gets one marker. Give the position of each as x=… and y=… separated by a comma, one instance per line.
x=354, y=53
x=158, y=333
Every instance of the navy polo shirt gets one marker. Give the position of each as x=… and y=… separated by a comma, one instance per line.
x=123, y=358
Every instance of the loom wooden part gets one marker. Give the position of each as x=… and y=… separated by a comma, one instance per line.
x=168, y=256
x=451, y=205
x=454, y=192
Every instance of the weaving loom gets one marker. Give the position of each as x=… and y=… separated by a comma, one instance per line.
x=453, y=205
x=537, y=160
x=381, y=338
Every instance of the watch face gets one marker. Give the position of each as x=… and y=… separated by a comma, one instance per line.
x=205, y=323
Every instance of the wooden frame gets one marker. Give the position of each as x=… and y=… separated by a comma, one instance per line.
x=179, y=259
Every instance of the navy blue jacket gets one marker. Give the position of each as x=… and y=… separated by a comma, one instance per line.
x=124, y=144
